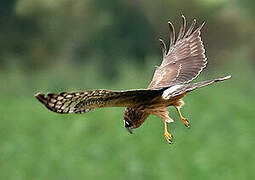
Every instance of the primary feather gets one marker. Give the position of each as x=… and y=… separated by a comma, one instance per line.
x=184, y=60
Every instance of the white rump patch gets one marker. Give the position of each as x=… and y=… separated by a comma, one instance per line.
x=169, y=120
x=167, y=93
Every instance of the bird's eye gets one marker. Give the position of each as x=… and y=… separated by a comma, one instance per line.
x=126, y=124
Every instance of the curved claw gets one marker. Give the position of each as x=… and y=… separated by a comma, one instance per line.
x=186, y=122
x=169, y=138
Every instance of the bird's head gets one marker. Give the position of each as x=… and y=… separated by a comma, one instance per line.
x=133, y=119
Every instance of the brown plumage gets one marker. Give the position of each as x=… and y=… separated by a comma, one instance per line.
x=182, y=62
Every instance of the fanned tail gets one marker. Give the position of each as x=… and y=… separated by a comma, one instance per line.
x=84, y=101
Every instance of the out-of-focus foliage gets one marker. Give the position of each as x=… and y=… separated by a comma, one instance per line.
x=39, y=33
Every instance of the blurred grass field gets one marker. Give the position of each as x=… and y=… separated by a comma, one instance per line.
x=38, y=144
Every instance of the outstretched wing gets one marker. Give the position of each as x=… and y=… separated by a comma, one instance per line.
x=81, y=102
x=185, y=88
x=184, y=60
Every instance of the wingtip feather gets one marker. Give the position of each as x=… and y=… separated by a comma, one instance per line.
x=172, y=30
x=201, y=26
x=226, y=77
x=223, y=78
x=163, y=47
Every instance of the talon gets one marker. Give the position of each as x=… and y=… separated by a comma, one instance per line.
x=170, y=141
x=169, y=138
x=184, y=120
x=186, y=123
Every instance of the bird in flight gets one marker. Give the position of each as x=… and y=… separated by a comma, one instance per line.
x=182, y=62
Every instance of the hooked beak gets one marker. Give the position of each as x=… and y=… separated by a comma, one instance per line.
x=128, y=127
x=129, y=130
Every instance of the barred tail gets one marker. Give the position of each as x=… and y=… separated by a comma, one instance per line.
x=193, y=86
x=84, y=101
x=65, y=102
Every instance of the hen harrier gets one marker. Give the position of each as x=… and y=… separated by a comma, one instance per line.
x=182, y=62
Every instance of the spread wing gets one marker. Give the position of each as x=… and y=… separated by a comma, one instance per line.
x=81, y=102
x=184, y=60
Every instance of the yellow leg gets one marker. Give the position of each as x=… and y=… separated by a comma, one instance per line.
x=168, y=136
x=184, y=120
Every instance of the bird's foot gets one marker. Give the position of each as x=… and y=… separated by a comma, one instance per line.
x=169, y=137
x=186, y=122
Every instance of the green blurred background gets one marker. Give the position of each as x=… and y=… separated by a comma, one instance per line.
x=70, y=45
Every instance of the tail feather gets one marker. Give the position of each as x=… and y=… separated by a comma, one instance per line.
x=63, y=102
x=41, y=97
x=193, y=86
